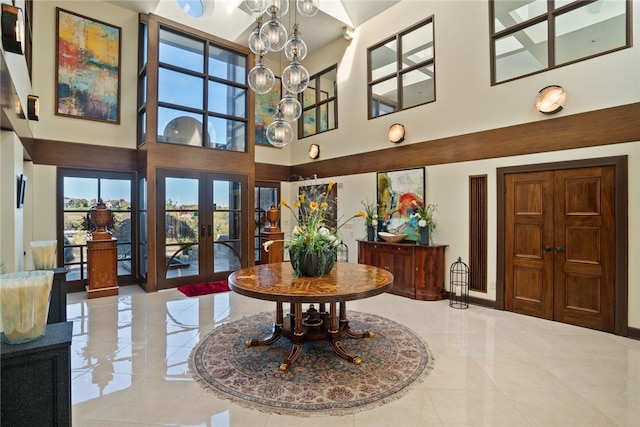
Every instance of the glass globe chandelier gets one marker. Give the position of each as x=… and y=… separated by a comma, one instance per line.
x=290, y=107
x=260, y=78
x=279, y=132
x=271, y=36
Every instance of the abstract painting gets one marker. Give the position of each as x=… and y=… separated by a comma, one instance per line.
x=396, y=191
x=88, y=68
x=266, y=108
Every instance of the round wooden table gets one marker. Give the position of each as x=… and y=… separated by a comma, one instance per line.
x=275, y=282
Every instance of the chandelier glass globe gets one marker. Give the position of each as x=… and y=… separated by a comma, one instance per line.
x=290, y=107
x=276, y=33
x=307, y=8
x=258, y=42
x=295, y=77
x=279, y=7
x=256, y=5
x=279, y=132
x=261, y=78
x=295, y=46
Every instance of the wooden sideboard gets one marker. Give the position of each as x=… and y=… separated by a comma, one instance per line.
x=418, y=270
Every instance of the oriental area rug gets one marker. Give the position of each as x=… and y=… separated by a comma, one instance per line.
x=320, y=382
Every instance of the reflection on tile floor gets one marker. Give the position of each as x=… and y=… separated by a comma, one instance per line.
x=129, y=366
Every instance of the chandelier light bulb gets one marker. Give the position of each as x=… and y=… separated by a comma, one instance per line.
x=261, y=78
x=290, y=107
x=307, y=8
x=279, y=132
x=295, y=77
x=276, y=33
x=295, y=46
x=278, y=7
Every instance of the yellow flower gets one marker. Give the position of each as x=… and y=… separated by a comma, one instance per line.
x=325, y=205
x=284, y=203
x=313, y=206
x=301, y=197
x=296, y=204
x=331, y=184
x=361, y=214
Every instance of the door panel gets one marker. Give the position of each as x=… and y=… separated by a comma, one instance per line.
x=528, y=234
x=585, y=244
x=205, y=234
x=560, y=245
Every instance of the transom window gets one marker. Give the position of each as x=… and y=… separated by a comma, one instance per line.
x=319, y=104
x=402, y=70
x=202, y=97
x=531, y=36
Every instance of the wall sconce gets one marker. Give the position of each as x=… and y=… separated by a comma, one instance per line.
x=314, y=151
x=12, y=29
x=550, y=99
x=33, y=107
x=396, y=133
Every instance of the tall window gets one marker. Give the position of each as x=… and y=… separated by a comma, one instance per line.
x=81, y=191
x=531, y=36
x=202, y=94
x=265, y=194
x=401, y=70
x=319, y=104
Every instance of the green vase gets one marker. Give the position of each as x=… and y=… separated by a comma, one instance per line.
x=424, y=235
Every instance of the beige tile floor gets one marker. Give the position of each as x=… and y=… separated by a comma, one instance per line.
x=129, y=366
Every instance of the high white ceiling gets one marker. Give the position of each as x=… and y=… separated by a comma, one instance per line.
x=230, y=20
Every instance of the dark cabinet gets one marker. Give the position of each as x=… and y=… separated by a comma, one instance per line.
x=418, y=270
x=35, y=379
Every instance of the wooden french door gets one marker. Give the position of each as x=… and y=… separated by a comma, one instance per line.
x=205, y=234
x=560, y=245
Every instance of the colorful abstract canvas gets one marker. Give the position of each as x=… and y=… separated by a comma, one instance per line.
x=266, y=109
x=88, y=68
x=396, y=191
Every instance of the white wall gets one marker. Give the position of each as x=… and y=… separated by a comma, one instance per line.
x=465, y=100
x=69, y=129
x=11, y=217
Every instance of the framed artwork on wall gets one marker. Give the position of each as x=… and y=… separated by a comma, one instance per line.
x=266, y=108
x=87, y=68
x=396, y=190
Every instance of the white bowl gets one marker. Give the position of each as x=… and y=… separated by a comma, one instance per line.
x=392, y=238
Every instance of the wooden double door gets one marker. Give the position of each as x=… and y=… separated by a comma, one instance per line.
x=559, y=245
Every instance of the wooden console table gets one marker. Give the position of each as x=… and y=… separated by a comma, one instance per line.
x=418, y=270
x=275, y=282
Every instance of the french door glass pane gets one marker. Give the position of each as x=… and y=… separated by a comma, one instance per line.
x=181, y=226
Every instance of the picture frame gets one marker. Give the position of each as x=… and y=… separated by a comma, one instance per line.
x=88, y=55
x=265, y=112
x=395, y=192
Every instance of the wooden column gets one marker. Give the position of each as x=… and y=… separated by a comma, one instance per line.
x=276, y=250
x=102, y=274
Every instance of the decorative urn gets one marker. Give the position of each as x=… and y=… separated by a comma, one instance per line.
x=100, y=216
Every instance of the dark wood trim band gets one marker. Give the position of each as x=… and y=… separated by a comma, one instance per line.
x=601, y=127
x=78, y=155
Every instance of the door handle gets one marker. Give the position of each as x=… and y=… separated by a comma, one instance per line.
x=547, y=248
x=202, y=232
x=559, y=249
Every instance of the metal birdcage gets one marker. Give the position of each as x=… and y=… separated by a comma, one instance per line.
x=459, y=285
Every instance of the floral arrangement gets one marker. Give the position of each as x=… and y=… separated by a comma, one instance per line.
x=370, y=214
x=425, y=214
x=312, y=234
